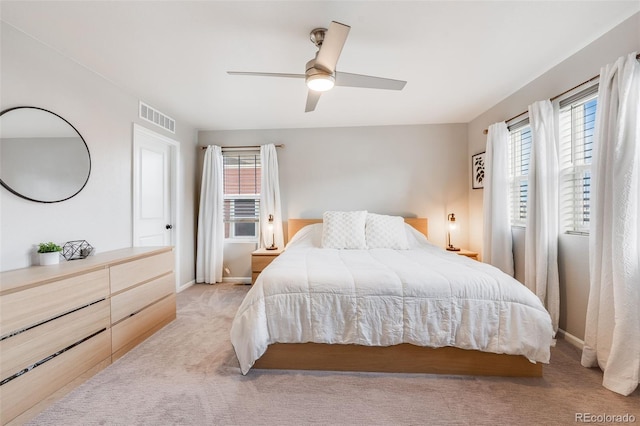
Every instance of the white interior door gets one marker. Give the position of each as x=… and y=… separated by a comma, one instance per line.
x=156, y=179
x=153, y=212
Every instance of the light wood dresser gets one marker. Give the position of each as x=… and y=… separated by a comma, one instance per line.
x=60, y=324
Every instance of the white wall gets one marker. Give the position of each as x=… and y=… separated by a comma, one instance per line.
x=420, y=170
x=33, y=74
x=573, y=250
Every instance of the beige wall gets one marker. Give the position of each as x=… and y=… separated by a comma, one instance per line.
x=35, y=75
x=420, y=170
x=573, y=250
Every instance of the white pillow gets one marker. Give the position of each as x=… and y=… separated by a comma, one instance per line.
x=308, y=236
x=386, y=232
x=344, y=230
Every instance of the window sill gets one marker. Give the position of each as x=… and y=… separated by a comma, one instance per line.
x=240, y=241
x=578, y=233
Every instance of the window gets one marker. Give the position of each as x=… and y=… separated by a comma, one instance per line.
x=577, y=124
x=519, y=156
x=241, y=194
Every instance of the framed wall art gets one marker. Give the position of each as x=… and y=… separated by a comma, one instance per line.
x=477, y=171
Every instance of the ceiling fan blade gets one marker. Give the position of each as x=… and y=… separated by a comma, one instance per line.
x=312, y=100
x=368, y=81
x=332, y=46
x=266, y=74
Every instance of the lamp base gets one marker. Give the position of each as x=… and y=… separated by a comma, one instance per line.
x=272, y=247
x=452, y=248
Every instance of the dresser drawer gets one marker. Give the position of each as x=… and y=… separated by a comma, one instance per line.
x=35, y=305
x=33, y=386
x=129, y=302
x=27, y=348
x=128, y=274
x=133, y=330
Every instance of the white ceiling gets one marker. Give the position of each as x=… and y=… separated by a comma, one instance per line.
x=459, y=58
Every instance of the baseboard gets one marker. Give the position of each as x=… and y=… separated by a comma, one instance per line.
x=570, y=338
x=186, y=286
x=237, y=280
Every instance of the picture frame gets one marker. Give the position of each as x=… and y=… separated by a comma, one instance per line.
x=477, y=170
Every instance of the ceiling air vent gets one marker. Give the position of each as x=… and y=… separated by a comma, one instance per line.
x=156, y=117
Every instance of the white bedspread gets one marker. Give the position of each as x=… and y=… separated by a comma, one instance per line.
x=380, y=297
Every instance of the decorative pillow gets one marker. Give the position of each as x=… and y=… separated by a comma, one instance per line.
x=386, y=232
x=344, y=230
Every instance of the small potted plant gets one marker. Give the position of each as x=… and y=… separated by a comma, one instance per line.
x=49, y=253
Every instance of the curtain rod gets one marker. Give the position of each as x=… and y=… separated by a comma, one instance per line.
x=244, y=147
x=485, y=131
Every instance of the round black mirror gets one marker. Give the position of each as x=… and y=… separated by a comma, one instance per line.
x=43, y=157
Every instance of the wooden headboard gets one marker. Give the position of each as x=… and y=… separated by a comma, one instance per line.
x=294, y=225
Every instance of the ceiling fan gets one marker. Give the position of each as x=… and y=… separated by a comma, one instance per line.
x=321, y=74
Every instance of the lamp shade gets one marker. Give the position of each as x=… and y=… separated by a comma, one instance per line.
x=270, y=230
x=451, y=218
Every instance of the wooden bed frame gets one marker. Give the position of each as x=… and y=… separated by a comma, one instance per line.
x=403, y=358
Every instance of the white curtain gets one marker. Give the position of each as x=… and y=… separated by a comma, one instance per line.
x=497, y=241
x=612, y=334
x=270, y=198
x=210, y=243
x=541, y=235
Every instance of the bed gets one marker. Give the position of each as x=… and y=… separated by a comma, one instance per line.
x=415, y=309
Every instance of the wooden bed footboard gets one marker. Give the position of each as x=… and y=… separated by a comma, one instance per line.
x=403, y=358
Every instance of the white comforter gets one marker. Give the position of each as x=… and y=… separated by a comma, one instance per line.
x=380, y=297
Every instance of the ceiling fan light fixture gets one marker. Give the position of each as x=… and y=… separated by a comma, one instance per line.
x=320, y=82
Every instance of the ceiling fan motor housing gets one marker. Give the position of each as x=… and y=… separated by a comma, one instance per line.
x=317, y=78
x=314, y=69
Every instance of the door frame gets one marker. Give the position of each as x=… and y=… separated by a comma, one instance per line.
x=174, y=183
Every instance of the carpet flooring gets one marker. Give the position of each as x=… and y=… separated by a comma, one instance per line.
x=187, y=374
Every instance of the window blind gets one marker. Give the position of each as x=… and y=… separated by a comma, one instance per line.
x=577, y=126
x=241, y=193
x=519, y=157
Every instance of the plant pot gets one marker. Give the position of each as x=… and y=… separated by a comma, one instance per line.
x=50, y=258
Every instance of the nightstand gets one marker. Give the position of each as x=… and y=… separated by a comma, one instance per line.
x=260, y=259
x=471, y=254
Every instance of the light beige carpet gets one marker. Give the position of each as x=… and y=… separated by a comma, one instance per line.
x=187, y=374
